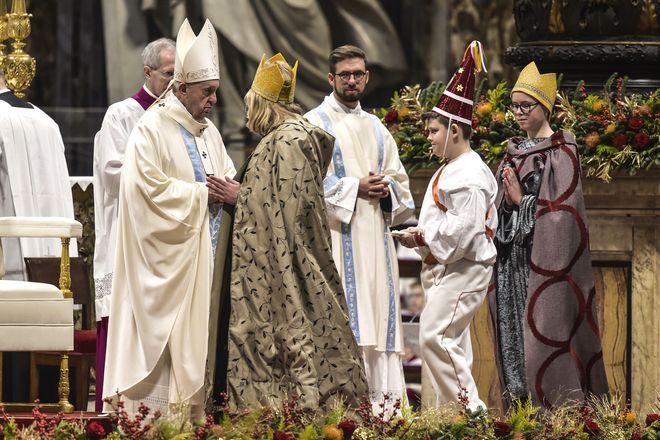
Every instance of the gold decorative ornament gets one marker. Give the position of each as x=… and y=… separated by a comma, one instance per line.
x=65, y=288
x=648, y=19
x=19, y=66
x=63, y=389
x=555, y=24
x=65, y=270
x=3, y=31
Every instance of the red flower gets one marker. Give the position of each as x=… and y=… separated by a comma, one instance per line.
x=652, y=418
x=391, y=117
x=95, y=430
x=475, y=123
x=641, y=140
x=591, y=428
x=636, y=436
x=620, y=140
x=348, y=426
x=279, y=435
x=502, y=429
x=635, y=123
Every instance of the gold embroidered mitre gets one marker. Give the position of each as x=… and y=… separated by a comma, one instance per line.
x=543, y=88
x=196, y=55
x=269, y=83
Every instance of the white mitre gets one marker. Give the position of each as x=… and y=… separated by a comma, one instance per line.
x=196, y=55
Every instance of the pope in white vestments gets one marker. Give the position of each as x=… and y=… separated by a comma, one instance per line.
x=157, y=338
x=109, y=148
x=362, y=248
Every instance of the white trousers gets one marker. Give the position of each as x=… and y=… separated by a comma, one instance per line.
x=454, y=294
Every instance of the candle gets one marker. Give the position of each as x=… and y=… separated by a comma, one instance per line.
x=18, y=7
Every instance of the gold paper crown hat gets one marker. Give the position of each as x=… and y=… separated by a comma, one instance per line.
x=269, y=83
x=196, y=55
x=543, y=88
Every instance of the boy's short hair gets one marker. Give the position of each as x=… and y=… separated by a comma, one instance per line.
x=345, y=52
x=465, y=129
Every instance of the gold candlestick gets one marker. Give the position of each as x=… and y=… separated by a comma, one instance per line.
x=19, y=66
x=3, y=31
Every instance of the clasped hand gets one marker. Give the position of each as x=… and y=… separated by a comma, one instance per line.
x=373, y=186
x=512, y=189
x=222, y=189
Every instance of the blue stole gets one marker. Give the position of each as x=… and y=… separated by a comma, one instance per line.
x=347, y=239
x=215, y=210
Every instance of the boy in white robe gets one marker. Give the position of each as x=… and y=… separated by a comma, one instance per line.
x=454, y=239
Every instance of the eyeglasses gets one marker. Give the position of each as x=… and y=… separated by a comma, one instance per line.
x=525, y=108
x=346, y=76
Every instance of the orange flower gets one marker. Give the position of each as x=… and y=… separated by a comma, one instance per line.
x=592, y=140
x=644, y=110
x=404, y=112
x=630, y=417
x=484, y=108
x=498, y=117
x=331, y=432
x=599, y=106
x=611, y=128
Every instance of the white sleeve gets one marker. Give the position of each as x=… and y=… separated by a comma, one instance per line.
x=449, y=237
x=111, y=142
x=340, y=196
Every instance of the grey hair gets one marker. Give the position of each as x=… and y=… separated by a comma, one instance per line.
x=151, y=53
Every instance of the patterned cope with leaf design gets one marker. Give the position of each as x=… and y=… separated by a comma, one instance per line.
x=288, y=333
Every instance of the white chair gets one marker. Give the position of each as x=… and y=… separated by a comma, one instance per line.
x=38, y=316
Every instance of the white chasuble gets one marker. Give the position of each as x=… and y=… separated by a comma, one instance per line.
x=362, y=248
x=35, y=181
x=158, y=334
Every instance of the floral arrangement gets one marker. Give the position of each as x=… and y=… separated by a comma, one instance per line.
x=614, y=130
x=404, y=120
x=597, y=419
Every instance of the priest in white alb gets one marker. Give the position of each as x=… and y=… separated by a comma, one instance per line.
x=109, y=147
x=366, y=192
x=167, y=225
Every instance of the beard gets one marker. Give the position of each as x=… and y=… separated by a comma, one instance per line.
x=346, y=97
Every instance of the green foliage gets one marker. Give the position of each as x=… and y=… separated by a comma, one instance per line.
x=597, y=418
